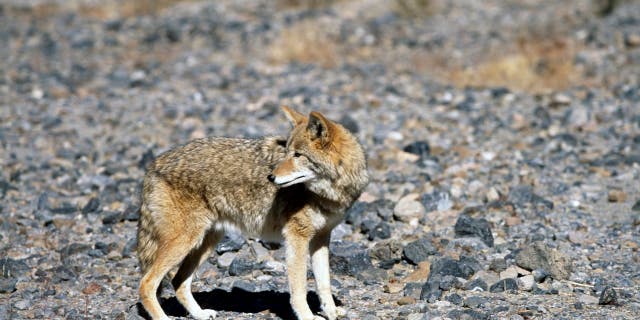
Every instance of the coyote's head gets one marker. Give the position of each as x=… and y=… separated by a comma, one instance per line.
x=315, y=150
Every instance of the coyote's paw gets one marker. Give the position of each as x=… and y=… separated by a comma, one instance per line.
x=334, y=312
x=205, y=314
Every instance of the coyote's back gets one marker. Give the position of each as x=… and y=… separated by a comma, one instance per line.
x=212, y=173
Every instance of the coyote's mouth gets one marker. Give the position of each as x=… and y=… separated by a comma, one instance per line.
x=293, y=179
x=291, y=182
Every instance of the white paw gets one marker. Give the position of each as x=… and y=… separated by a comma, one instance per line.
x=330, y=312
x=204, y=314
x=341, y=312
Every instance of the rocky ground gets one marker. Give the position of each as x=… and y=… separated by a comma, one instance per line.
x=503, y=140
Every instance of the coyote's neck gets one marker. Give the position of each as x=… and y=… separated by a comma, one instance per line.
x=343, y=192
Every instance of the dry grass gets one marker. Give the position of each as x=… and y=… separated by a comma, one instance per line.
x=416, y=8
x=532, y=65
x=304, y=42
x=125, y=8
x=105, y=10
x=310, y=4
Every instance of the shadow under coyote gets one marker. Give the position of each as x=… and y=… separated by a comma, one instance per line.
x=239, y=300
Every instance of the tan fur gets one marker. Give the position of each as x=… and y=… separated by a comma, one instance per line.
x=192, y=193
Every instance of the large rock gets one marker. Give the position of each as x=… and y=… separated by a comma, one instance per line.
x=418, y=251
x=348, y=258
x=523, y=194
x=540, y=256
x=608, y=296
x=13, y=268
x=469, y=227
x=232, y=241
x=464, y=268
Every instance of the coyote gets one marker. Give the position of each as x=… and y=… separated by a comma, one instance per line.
x=294, y=189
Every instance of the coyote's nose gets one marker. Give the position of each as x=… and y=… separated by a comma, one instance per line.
x=271, y=178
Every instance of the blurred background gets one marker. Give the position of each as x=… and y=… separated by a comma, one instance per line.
x=79, y=46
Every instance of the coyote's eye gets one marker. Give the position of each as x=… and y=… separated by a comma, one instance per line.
x=296, y=154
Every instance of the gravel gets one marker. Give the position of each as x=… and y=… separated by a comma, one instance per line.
x=473, y=178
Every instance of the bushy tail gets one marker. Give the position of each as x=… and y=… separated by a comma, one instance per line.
x=147, y=244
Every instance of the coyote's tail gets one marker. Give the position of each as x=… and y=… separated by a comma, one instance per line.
x=147, y=244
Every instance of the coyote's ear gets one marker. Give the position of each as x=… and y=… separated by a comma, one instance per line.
x=319, y=127
x=294, y=117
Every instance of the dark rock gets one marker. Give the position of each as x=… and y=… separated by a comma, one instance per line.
x=608, y=296
x=540, y=256
x=113, y=25
x=539, y=275
x=95, y=253
x=420, y=148
x=105, y=248
x=61, y=273
x=131, y=213
x=43, y=202
x=387, y=252
x=475, y=284
x=240, y=266
x=447, y=266
x=66, y=208
x=523, y=194
x=467, y=314
x=232, y=241
x=8, y=285
x=73, y=249
x=413, y=289
x=348, y=258
x=500, y=309
x=368, y=223
x=384, y=208
x=498, y=92
x=111, y=217
x=636, y=206
x=505, y=285
x=354, y=214
x=538, y=291
x=498, y=265
x=371, y=276
x=248, y=286
x=381, y=231
x=146, y=159
x=130, y=248
x=469, y=266
x=454, y=298
x=474, y=301
x=92, y=206
x=431, y=291
x=418, y=251
x=5, y=186
x=13, y=268
x=467, y=226
x=449, y=282
x=543, y=117
x=350, y=123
